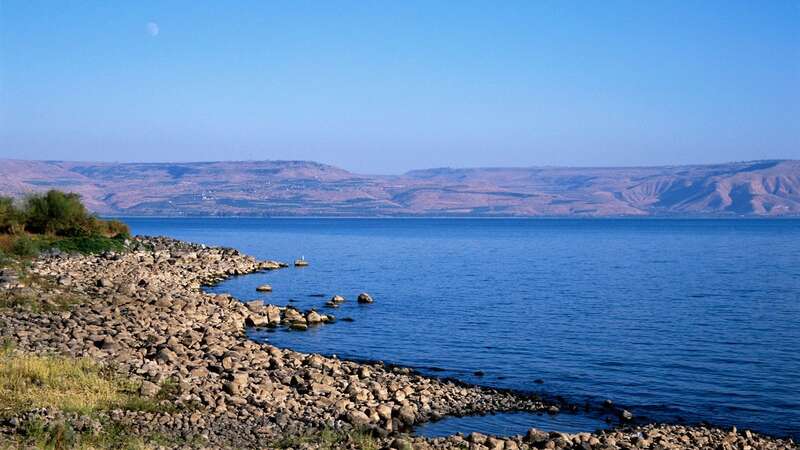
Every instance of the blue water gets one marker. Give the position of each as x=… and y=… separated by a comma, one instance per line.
x=511, y=423
x=676, y=320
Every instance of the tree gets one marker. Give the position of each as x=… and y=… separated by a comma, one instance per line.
x=11, y=218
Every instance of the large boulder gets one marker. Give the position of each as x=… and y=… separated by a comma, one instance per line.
x=314, y=317
x=273, y=314
x=358, y=418
x=293, y=315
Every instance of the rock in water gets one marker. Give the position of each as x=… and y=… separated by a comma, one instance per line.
x=264, y=288
x=626, y=415
x=314, y=317
x=364, y=298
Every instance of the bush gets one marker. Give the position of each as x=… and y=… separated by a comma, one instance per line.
x=24, y=246
x=88, y=244
x=11, y=218
x=58, y=213
x=55, y=213
x=113, y=228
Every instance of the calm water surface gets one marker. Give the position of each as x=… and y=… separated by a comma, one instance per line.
x=676, y=320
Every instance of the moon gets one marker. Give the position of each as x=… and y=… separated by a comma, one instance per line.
x=152, y=29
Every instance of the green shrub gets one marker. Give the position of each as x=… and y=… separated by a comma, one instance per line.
x=11, y=218
x=88, y=244
x=56, y=220
x=24, y=246
x=58, y=213
x=115, y=228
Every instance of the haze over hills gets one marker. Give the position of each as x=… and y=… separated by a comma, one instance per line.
x=300, y=188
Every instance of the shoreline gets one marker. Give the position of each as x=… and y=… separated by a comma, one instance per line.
x=145, y=313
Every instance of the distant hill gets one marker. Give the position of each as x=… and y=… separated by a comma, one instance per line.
x=299, y=188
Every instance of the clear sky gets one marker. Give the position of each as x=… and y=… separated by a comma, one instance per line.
x=387, y=86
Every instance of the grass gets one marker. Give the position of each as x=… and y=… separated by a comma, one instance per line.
x=71, y=385
x=68, y=384
x=28, y=246
x=74, y=385
x=330, y=439
x=88, y=244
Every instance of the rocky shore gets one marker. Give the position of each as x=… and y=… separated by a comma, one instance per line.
x=142, y=312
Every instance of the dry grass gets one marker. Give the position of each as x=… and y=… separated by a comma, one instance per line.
x=72, y=385
x=6, y=243
x=68, y=384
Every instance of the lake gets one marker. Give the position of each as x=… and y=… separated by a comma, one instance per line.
x=675, y=320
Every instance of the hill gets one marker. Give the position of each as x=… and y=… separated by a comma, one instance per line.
x=300, y=188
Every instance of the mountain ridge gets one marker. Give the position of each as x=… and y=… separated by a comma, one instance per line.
x=766, y=188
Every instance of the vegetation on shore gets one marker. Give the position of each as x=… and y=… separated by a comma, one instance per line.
x=55, y=220
x=79, y=388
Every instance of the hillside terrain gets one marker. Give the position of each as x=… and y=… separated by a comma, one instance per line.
x=299, y=188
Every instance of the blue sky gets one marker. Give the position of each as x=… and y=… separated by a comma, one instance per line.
x=384, y=87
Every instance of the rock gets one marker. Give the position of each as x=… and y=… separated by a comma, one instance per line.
x=536, y=436
x=238, y=383
x=298, y=326
x=108, y=344
x=256, y=320
x=273, y=314
x=256, y=306
x=358, y=418
x=313, y=318
x=407, y=414
x=626, y=415
x=336, y=299
x=494, y=443
x=149, y=389
x=384, y=412
x=476, y=438
x=553, y=410
x=293, y=315
x=167, y=355
x=264, y=288
x=401, y=444
x=364, y=298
